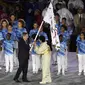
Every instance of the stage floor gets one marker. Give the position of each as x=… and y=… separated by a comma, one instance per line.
x=71, y=77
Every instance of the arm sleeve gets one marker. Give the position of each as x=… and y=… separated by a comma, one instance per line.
x=40, y=49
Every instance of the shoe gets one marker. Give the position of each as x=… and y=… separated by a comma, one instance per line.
x=79, y=73
x=42, y=82
x=16, y=80
x=48, y=81
x=26, y=80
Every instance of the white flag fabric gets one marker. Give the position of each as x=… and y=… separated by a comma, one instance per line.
x=49, y=18
x=49, y=14
x=55, y=39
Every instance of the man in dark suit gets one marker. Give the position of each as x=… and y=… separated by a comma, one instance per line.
x=23, y=56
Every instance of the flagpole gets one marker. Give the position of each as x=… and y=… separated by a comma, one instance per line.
x=39, y=29
x=37, y=35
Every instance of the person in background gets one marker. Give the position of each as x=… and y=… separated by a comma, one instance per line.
x=82, y=30
x=69, y=31
x=69, y=28
x=1, y=44
x=21, y=28
x=66, y=38
x=81, y=53
x=10, y=30
x=38, y=17
x=4, y=14
x=45, y=51
x=79, y=20
x=29, y=15
x=13, y=21
x=18, y=12
x=64, y=12
x=19, y=33
x=58, y=24
x=23, y=57
x=64, y=32
x=35, y=57
x=56, y=3
x=34, y=30
x=42, y=33
x=61, y=56
x=4, y=25
x=8, y=45
x=14, y=38
x=75, y=4
x=1, y=35
x=63, y=22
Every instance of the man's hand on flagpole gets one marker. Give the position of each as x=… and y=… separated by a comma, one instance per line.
x=33, y=44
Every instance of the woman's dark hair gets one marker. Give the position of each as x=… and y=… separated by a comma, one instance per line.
x=10, y=24
x=83, y=34
x=56, y=14
x=65, y=27
x=22, y=22
x=8, y=36
x=42, y=38
x=61, y=36
x=12, y=14
x=4, y=20
x=64, y=18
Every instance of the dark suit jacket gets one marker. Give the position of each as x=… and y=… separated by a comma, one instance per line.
x=23, y=50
